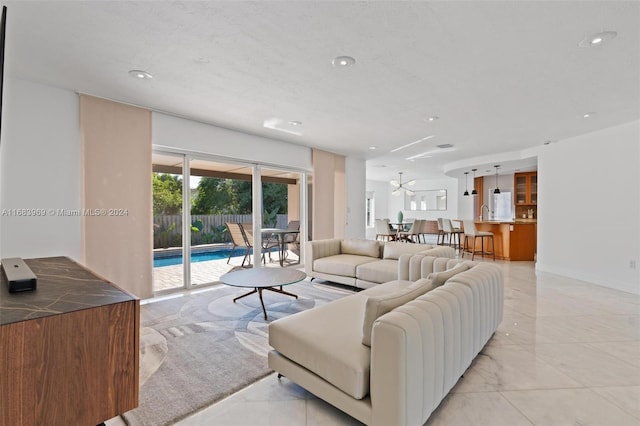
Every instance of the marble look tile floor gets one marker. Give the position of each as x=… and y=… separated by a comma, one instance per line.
x=566, y=353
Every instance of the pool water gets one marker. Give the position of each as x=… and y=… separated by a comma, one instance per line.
x=197, y=257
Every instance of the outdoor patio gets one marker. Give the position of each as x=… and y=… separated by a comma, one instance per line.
x=171, y=277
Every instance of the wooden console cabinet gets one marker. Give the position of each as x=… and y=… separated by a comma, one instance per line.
x=69, y=351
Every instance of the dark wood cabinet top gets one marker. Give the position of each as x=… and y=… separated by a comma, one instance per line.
x=63, y=286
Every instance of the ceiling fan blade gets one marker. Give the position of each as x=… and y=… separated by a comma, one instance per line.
x=395, y=191
x=411, y=182
x=394, y=183
x=408, y=191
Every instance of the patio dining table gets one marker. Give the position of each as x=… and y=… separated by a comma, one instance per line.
x=280, y=234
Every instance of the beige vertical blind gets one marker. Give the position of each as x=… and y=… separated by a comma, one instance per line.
x=329, y=195
x=116, y=156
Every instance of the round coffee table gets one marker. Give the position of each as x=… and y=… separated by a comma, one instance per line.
x=263, y=279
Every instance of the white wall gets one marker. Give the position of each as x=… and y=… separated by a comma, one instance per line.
x=40, y=168
x=356, y=200
x=381, y=192
x=589, y=207
x=179, y=133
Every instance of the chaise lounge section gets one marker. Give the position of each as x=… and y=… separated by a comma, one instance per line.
x=388, y=355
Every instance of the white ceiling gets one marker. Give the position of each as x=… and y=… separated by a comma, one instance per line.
x=502, y=76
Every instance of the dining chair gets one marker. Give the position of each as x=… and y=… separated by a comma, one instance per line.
x=412, y=234
x=384, y=230
x=452, y=232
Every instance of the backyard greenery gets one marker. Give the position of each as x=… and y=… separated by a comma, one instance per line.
x=212, y=197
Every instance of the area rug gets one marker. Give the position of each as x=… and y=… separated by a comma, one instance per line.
x=199, y=348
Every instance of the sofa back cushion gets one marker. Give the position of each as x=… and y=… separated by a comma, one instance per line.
x=360, y=247
x=393, y=250
x=439, y=278
x=377, y=306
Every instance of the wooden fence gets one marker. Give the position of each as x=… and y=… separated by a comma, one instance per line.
x=167, y=229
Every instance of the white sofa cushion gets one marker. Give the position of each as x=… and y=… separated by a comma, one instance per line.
x=393, y=250
x=379, y=271
x=360, y=247
x=377, y=306
x=327, y=341
x=439, y=278
x=341, y=264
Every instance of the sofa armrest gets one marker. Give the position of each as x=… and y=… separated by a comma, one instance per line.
x=412, y=267
x=317, y=249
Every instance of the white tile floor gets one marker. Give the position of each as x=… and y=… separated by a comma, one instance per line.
x=566, y=353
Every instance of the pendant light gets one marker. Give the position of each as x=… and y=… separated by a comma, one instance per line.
x=497, y=190
x=466, y=185
x=474, y=192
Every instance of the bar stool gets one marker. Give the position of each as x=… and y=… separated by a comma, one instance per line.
x=471, y=231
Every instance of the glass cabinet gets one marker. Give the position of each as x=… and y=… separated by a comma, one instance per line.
x=526, y=188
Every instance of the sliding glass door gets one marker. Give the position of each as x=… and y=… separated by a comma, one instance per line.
x=168, y=186
x=281, y=214
x=221, y=204
x=205, y=216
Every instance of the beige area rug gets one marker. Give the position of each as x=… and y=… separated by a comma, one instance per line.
x=198, y=349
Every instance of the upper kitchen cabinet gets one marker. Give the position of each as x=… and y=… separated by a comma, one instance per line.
x=526, y=188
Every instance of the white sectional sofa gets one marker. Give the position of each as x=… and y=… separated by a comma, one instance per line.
x=362, y=263
x=389, y=354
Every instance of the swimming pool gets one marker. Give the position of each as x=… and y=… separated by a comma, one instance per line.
x=214, y=254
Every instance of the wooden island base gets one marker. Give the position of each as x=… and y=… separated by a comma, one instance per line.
x=513, y=240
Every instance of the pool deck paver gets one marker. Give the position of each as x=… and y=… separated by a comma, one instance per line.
x=210, y=271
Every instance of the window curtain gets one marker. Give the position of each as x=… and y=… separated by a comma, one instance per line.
x=116, y=161
x=329, y=195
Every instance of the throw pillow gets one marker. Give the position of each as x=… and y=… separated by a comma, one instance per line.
x=379, y=305
x=360, y=247
x=439, y=278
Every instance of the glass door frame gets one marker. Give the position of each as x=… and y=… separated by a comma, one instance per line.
x=256, y=194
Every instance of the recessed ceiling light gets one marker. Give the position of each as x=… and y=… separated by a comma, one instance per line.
x=140, y=74
x=295, y=123
x=373, y=147
x=588, y=115
x=280, y=125
x=597, y=39
x=432, y=118
x=343, y=61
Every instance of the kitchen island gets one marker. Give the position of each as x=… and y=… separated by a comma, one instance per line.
x=514, y=240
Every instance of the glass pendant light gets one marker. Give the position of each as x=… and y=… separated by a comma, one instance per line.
x=474, y=192
x=497, y=190
x=466, y=184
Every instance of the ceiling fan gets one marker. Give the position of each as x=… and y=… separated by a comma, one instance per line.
x=402, y=186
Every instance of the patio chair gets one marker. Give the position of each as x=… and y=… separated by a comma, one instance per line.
x=241, y=236
x=293, y=239
x=239, y=239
